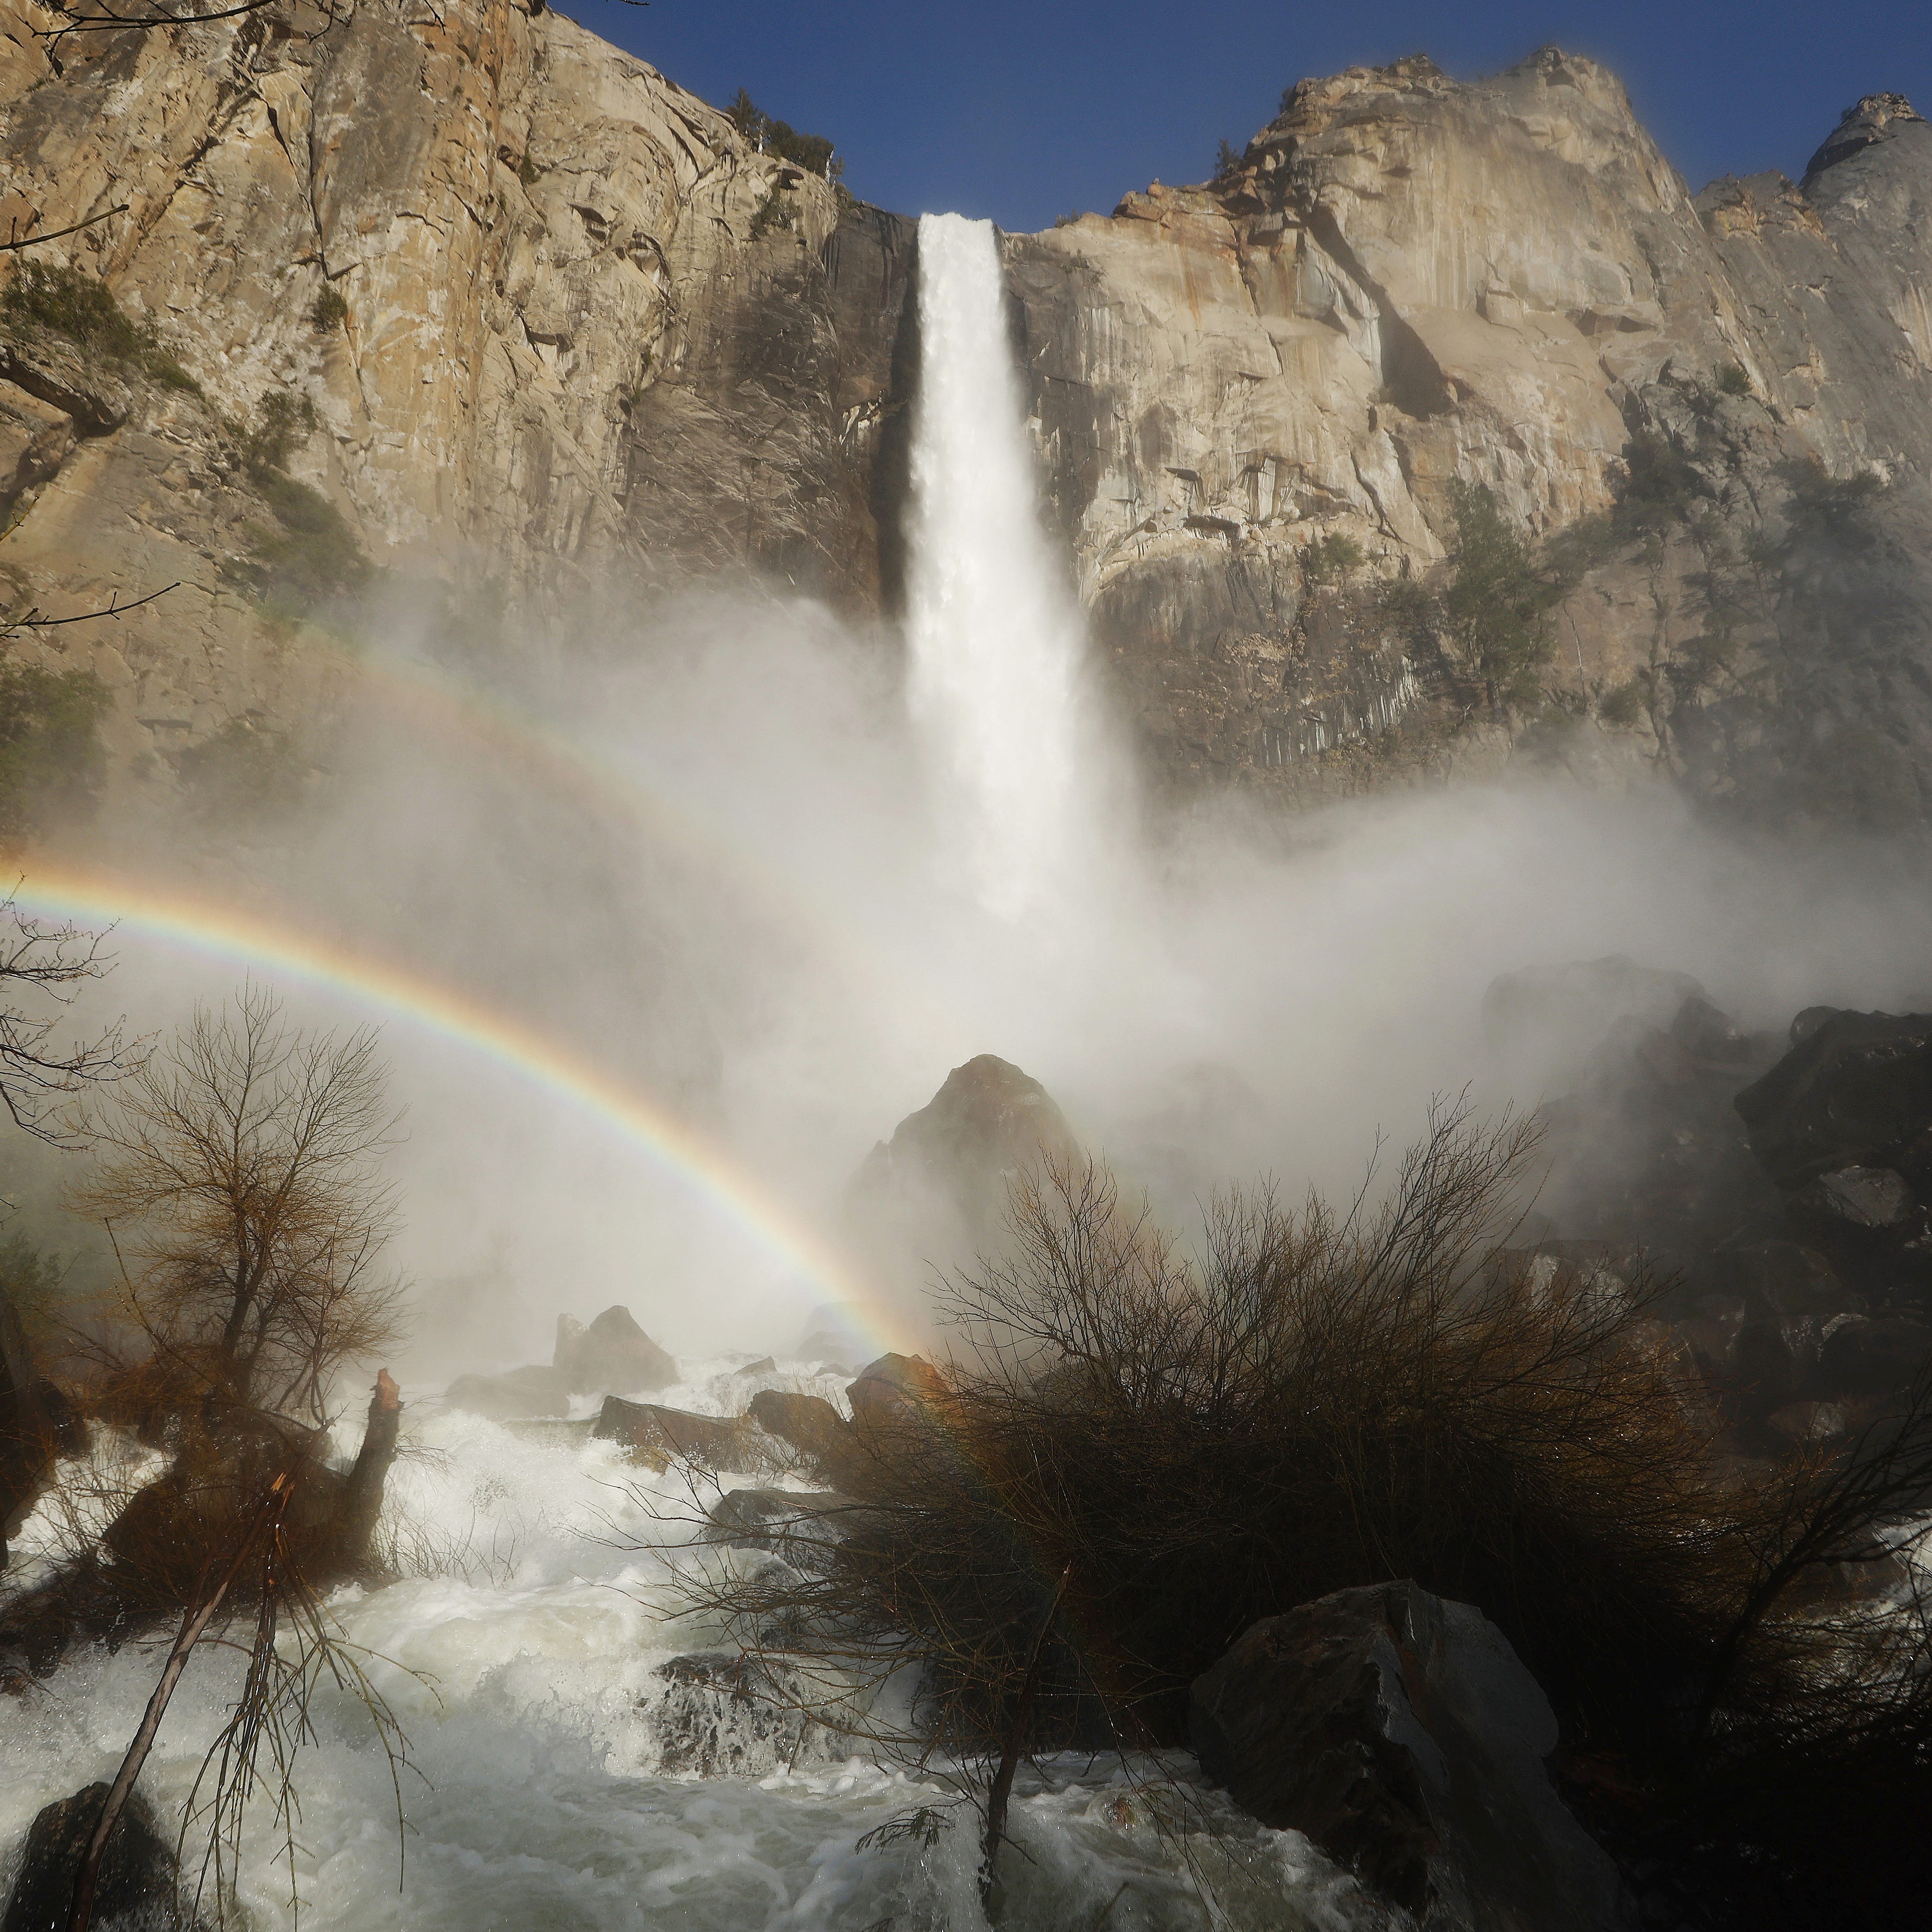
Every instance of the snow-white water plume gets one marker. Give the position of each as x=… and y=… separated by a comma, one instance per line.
x=995, y=636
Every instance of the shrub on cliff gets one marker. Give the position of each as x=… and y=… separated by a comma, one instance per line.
x=76, y=305
x=51, y=759
x=1500, y=597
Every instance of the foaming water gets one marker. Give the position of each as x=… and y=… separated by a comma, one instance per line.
x=995, y=638
x=551, y=1786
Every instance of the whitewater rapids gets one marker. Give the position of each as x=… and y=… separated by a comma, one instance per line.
x=524, y=1667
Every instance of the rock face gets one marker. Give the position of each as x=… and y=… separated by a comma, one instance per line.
x=538, y=326
x=1401, y=1734
x=937, y=1191
x=538, y=322
x=1406, y=281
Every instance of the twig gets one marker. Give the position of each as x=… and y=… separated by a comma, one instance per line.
x=1002, y=1790
x=35, y=241
x=194, y=1623
x=33, y=621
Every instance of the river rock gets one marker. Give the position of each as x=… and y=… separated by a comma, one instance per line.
x=726, y=1713
x=661, y=1436
x=938, y=1189
x=893, y=1391
x=613, y=1356
x=1855, y=1091
x=809, y=1424
x=1859, y=1197
x=136, y=1886
x=1402, y=1734
x=519, y=1392
x=1879, y=1355
x=800, y=1527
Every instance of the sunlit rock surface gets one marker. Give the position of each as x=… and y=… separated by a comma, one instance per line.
x=1407, y=279
x=563, y=334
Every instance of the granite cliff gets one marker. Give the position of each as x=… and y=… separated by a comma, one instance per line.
x=476, y=299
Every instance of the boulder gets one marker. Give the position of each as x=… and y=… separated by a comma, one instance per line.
x=662, y=1436
x=1876, y=1354
x=1784, y=1279
x=136, y=1885
x=810, y=1424
x=1859, y=1197
x=1402, y=1734
x=937, y=1191
x=839, y=1332
x=1855, y=1090
x=725, y=1713
x=520, y=1393
x=613, y=1356
x=798, y=1526
x=1543, y=1021
x=892, y=1391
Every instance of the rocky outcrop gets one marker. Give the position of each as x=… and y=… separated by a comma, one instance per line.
x=1401, y=1733
x=538, y=328
x=613, y=1356
x=539, y=324
x=937, y=1191
x=1405, y=282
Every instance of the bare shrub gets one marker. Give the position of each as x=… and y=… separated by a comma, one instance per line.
x=1135, y=1450
x=235, y=1170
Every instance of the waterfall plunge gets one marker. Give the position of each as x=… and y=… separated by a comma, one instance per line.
x=996, y=639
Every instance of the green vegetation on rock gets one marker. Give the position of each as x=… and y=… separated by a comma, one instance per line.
x=1498, y=604
x=812, y=152
x=74, y=303
x=51, y=759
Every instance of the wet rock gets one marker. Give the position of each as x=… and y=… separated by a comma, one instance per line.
x=661, y=1436
x=1876, y=1354
x=1809, y=1421
x=1861, y=1197
x=1772, y=1359
x=520, y=1393
x=892, y=1391
x=613, y=1356
x=809, y=1424
x=938, y=1189
x=1401, y=1733
x=723, y=1713
x=136, y=1887
x=1783, y=1279
x=1855, y=1091
x=800, y=1527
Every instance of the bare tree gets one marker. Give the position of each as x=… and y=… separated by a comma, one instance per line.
x=237, y=1178
x=50, y=962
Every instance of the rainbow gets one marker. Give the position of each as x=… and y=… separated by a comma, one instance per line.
x=177, y=919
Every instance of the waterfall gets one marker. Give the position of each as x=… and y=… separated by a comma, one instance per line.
x=995, y=636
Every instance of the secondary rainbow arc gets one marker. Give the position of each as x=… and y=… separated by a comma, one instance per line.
x=197, y=925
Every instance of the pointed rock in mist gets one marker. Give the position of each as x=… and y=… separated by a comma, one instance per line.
x=936, y=1190
x=613, y=1356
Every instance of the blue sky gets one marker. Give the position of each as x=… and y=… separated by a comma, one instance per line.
x=1022, y=113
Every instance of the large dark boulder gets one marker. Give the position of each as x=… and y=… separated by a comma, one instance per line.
x=802, y=1527
x=810, y=1424
x=613, y=1356
x=892, y=1392
x=659, y=1437
x=518, y=1393
x=1855, y=1090
x=1401, y=1734
x=1877, y=1355
x=136, y=1885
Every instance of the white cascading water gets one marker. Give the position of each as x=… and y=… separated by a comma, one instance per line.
x=995, y=639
